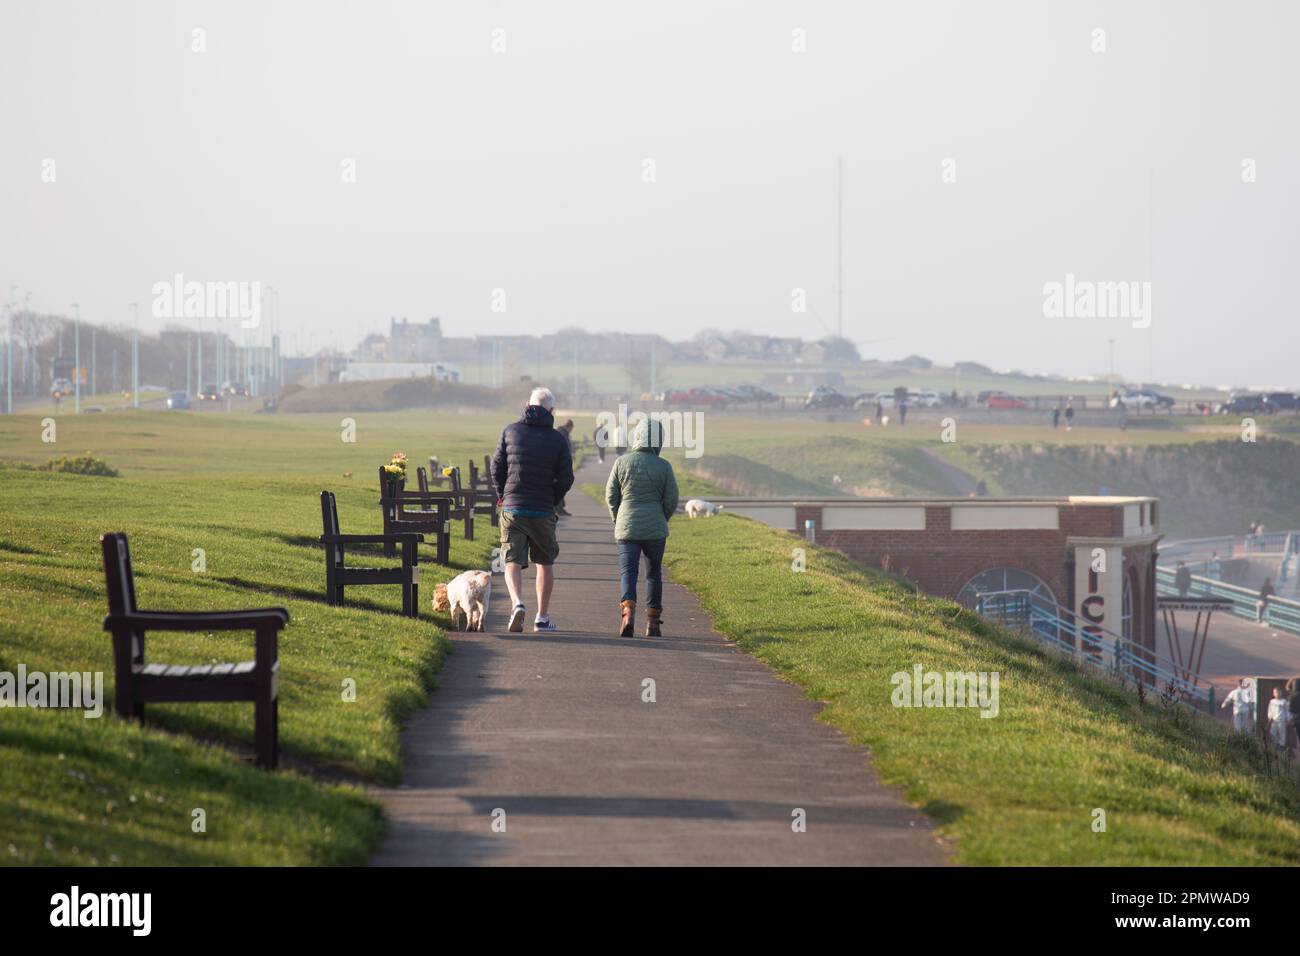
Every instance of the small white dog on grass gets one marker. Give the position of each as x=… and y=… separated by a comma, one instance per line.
x=698, y=506
x=470, y=592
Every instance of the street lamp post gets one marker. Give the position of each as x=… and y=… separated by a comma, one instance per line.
x=28, y=359
x=76, y=360
x=135, y=357
x=9, y=356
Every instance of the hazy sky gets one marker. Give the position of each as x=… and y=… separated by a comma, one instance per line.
x=524, y=170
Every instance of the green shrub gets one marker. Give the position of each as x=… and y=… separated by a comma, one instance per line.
x=86, y=464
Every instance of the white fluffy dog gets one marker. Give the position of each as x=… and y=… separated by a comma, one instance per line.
x=471, y=592
x=698, y=506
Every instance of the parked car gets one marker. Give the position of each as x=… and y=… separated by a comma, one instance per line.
x=1141, y=398
x=209, y=393
x=1001, y=401
x=235, y=389
x=1282, y=401
x=924, y=399
x=696, y=396
x=61, y=387
x=868, y=400
x=178, y=401
x=1243, y=405
x=753, y=393
x=823, y=396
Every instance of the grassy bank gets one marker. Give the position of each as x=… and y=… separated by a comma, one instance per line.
x=243, y=490
x=1019, y=788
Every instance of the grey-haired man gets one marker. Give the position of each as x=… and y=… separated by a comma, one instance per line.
x=532, y=471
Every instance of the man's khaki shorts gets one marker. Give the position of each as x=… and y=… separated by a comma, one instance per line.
x=522, y=537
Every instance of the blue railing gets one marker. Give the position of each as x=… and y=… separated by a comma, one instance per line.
x=1105, y=650
x=1281, y=613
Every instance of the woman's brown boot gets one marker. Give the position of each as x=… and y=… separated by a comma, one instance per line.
x=629, y=618
x=652, y=621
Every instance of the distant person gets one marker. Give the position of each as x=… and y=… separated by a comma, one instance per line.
x=955, y=400
x=1279, y=718
x=1242, y=699
x=1056, y=416
x=1261, y=605
x=1212, y=567
x=880, y=411
x=1182, y=579
x=1069, y=415
x=567, y=431
x=532, y=471
x=902, y=414
x=601, y=437
x=981, y=489
x=1293, y=708
x=641, y=494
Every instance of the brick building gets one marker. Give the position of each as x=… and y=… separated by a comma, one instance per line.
x=958, y=547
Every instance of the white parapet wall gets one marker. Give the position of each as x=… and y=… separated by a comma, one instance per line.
x=1011, y=517
x=854, y=517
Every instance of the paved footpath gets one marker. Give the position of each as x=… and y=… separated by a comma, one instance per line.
x=552, y=729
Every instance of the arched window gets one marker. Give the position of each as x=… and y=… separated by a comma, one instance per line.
x=1003, y=579
x=1127, y=608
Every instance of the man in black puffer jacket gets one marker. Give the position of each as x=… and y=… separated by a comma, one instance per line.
x=532, y=471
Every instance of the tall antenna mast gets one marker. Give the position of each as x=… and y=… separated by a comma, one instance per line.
x=839, y=282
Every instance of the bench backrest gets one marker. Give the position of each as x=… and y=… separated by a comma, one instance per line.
x=118, y=574
x=329, y=513
x=423, y=480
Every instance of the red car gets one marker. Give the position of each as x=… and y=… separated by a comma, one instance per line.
x=1000, y=400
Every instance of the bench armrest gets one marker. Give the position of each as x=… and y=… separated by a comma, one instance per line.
x=399, y=536
x=276, y=617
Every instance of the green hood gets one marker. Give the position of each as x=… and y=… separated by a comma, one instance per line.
x=642, y=490
x=649, y=436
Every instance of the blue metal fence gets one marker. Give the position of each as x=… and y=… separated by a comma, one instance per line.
x=1105, y=650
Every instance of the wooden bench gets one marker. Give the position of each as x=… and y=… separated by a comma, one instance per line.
x=460, y=502
x=338, y=575
x=485, y=492
x=431, y=515
x=435, y=477
x=137, y=683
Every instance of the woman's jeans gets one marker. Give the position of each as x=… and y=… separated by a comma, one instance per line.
x=629, y=560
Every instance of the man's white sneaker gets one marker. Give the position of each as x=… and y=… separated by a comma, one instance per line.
x=517, y=619
x=544, y=624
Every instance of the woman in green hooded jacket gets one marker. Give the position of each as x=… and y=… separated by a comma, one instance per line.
x=642, y=495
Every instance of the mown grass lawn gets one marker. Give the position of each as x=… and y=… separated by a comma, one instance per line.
x=245, y=490
x=1019, y=788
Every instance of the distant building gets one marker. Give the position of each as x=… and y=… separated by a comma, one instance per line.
x=414, y=342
